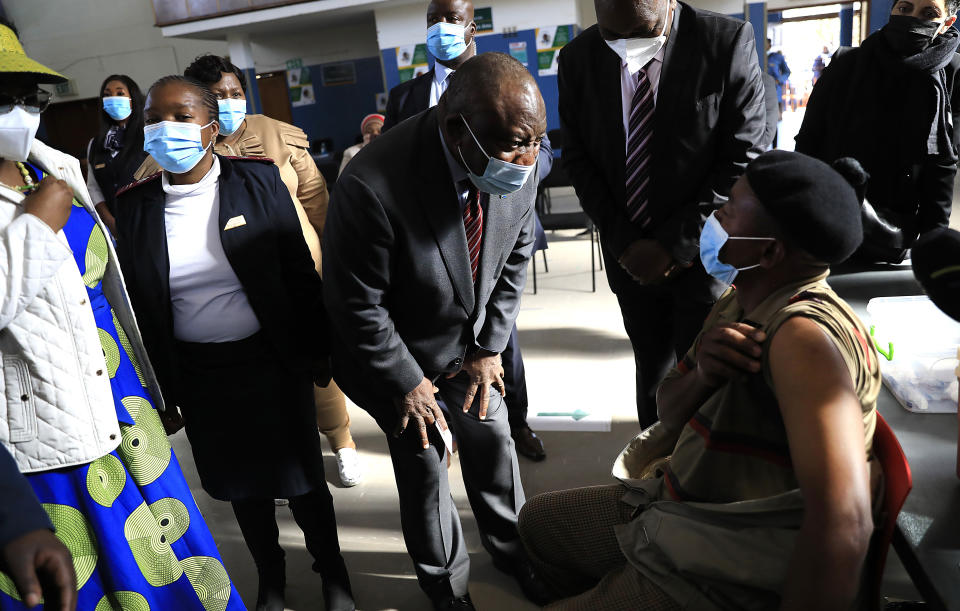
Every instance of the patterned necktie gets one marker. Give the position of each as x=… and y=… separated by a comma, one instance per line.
x=638, y=152
x=473, y=226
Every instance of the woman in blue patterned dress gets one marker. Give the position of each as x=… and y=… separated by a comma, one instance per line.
x=77, y=399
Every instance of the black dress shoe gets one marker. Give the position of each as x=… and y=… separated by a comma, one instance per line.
x=535, y=590
x=462, y=603
x=528, y=444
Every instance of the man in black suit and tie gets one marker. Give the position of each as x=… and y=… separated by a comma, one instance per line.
x=663, y=109
x=451, y=48
x=425, y=258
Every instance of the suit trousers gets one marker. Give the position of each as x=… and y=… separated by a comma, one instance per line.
x=515, y=382
x=662, y=323
x=491, y=475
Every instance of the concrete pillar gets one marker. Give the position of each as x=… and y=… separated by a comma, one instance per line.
x=756, y=14
x=846, y=25
x=241, y=54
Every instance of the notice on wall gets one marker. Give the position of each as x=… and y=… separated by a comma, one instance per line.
x=302, y=96
x=299, y=83
x=381, y=102
x=518, y=51
x=412, y=61
x=483, y=17
x=298, y=76
x=341, y=73
x=550, y=39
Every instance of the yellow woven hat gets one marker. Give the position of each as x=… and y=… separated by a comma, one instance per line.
x=13, y=59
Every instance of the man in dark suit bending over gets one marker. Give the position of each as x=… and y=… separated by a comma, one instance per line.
x=663, y=109
x=425, y=258
x=450, y=39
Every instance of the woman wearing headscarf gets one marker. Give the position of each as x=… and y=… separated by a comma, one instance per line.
x=78, y=396
x=114, y=155
x=370, y=129
x=231, y=311
x=892, y=104
x=250, y=135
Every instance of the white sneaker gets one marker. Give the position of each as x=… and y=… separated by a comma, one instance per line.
x=348, y=464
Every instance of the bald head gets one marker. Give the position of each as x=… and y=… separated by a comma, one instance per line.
x=631, y=18
x=490, y=80
x=499, y=99
x=451, y=11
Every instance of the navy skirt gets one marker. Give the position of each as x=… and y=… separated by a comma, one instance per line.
x=251, y=422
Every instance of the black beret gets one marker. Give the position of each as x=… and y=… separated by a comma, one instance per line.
x=936, y=263
x=817, y=207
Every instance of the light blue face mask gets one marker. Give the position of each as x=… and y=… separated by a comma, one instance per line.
x=446, y=41
x=176, y=147
x=712, y=239
x=117, y=106
x=500, y=177
x=232, y=114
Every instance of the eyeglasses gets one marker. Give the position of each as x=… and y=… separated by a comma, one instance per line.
x=35, y=102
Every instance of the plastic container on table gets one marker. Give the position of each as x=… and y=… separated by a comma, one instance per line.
x=922, y=342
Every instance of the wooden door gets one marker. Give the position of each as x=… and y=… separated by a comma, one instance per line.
x=70, y=125
x=274, y=98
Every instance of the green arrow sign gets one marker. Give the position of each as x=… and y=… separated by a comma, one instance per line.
x=577, y=415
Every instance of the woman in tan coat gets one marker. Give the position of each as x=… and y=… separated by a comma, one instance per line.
x=244, y=135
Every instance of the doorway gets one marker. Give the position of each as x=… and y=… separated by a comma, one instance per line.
x=69, y=126
x=274, y=98
x=806, y=38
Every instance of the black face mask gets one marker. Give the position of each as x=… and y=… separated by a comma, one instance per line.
x=908, y=35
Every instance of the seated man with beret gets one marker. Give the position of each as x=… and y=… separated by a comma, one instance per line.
x=765, y=500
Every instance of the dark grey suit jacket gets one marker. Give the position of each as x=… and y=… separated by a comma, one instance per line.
x=396, y=273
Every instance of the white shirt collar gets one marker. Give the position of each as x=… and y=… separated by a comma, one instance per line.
x=656, y=58
x=207, y=182
x=441, y=73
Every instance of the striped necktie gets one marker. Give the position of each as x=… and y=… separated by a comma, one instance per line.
x=638, y=152
x=473, y=226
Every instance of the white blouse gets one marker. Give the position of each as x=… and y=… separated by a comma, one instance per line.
x=209, y=303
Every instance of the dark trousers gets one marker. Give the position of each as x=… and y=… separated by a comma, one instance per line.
x=314, y=514
x=515, y=381
x=662, y=323
x=431, y=525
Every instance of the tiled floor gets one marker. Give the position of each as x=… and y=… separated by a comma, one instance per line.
x=576, y=354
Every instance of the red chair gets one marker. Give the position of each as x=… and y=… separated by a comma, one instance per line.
x=897, y=485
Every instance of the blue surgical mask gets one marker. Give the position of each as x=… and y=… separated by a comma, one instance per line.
x=117, y=106
x=446, y=41
x=500, y=177
x=232, y=114
x=176, y=147
x=712, y=239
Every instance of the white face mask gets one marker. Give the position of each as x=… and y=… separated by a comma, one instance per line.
x=637, y=52
x=17, y=129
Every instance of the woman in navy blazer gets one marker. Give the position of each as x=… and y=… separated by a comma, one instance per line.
x=231, y=310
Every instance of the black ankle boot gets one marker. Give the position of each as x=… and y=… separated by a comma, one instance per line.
x=273, y=581
x=337, y=593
